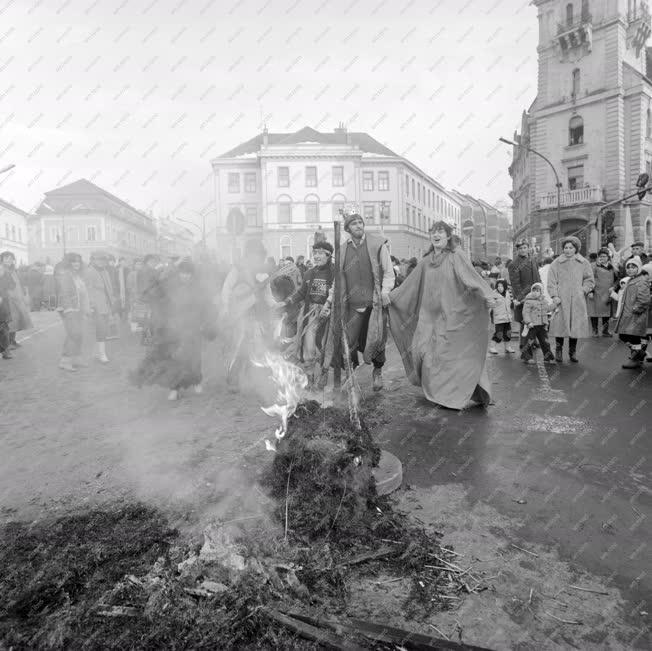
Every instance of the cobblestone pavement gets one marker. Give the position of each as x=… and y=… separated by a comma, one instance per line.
x=559, y=465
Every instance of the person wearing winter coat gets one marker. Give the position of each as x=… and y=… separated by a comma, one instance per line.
x=5, y=312
x=570, y=279
x=101, y=295
x=523, y=273
x=535, y=316
x=647, y=268
x=598, y=301
x=502, y=317
x=73, y=306
x=20, y=316
x=631, y=326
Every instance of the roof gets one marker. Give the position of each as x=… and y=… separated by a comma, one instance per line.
x=83, y=186
x=10, y=206
x=309, y=135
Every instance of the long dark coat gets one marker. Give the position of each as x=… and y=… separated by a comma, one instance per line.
x=598, y=303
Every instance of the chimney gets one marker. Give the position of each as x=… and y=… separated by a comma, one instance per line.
x=342, y=136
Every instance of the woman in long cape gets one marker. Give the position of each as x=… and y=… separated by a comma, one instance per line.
x=439, y=318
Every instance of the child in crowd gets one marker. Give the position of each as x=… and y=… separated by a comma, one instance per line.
x=314, y=296
x=535, y=317
x=631, y=326
x=502, y=316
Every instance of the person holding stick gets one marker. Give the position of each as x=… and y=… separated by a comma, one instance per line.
x=367, y=278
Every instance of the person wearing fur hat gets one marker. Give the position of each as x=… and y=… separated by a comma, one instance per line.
x=598, y=301
x=314, y=296
x=367, y=279
x=535, y=316
x=631, y=326
x=570, y=279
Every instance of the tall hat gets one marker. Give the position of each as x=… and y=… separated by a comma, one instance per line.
x=575, y=241
x=324, y=246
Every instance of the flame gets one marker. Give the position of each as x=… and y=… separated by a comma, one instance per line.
x=290, y=382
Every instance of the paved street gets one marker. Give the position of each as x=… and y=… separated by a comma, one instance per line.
x=559, y=465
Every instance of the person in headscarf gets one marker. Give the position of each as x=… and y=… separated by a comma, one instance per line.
x=184, y=316
x=73, y=305
x=20, y=316
x=439, y=318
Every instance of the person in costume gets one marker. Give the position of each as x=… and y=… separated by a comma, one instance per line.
x=439, y=318
x=312, y=322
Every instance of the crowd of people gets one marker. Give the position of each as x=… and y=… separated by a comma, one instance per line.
x=440, y=310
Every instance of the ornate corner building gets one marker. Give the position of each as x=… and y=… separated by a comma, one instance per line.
x=592, y=118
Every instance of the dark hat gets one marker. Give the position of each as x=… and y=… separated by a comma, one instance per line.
x=350, y=218
x=522, y=242
x=9, y=253
x=604, y=252
x=323, y=246
x=639, y=243
x=573, y=240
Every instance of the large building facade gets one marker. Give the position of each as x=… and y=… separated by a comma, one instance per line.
x=82, y=217
x=592, y=118
x=282, y=187
x=14, y=231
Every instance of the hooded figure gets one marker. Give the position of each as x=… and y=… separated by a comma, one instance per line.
x=439, y=319
x=20, y=316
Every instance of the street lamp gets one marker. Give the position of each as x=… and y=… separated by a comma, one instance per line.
x=534, y=151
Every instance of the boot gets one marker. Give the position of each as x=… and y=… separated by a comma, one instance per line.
x=558, y=353
x=636, y=357
x=66, y=364
x=377, y=376
x=571, y=352
x=549, y=357
x=492, y=348
x=605, y=328
x=13, y=344
x=100, y=353
x=509, y=348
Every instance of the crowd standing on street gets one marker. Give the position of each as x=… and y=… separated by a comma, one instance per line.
x=445, y=311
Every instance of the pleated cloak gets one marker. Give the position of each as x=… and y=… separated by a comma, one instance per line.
x=440, y=323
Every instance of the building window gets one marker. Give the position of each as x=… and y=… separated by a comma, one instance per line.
x=13, y=233
x=369, y=214
x=383, y=180
x=569, y=14
x=338, y=176
x=407, y=213
x=7, y=232
x=234, y=182
x=428, y=198
x=367, y=181
x=285, y=247
x=407, y=185
x=413, y=193
x=414, y=216
x=576, y=177
x=576, y=82
x=384, y=211
x=250, y=182
x=648, y=124
x=251, y=212
x=285, y=212
x=20, y=234
x=283, y=177
x=90, y=233
x=311, y=177
x=419, y=220
x=312, y=209
x=576, y=131
x=648, y=234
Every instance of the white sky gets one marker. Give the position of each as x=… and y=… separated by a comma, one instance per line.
x=139, y=95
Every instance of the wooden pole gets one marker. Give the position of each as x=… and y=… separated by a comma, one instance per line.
x=337, y=312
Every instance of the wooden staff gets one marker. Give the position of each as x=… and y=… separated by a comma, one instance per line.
x=337, y=312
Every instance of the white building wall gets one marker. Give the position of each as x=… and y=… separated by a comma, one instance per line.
x=14, y=233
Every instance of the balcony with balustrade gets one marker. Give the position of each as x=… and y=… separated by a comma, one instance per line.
x=575, y=33
x=586, y=195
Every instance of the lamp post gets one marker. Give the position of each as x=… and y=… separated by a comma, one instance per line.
x=383, y=205
x=558, y=184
